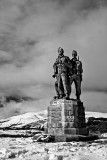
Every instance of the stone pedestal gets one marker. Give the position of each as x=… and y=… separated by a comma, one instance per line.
x=66, y=118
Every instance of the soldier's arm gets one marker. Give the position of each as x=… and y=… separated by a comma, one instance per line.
x=81, y=71
x=81, y=68
x=55, y=68
x=55, y=64
x=68, y=64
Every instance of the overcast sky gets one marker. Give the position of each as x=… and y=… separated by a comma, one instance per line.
x=31, y=32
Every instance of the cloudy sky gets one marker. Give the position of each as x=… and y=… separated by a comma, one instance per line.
x=31, y=32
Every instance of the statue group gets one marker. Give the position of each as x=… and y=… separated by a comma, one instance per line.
x=67, y=71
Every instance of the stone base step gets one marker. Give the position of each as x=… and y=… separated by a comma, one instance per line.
x=70, y=131
x=69, y=138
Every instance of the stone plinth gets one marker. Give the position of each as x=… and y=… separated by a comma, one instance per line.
x=66, y=117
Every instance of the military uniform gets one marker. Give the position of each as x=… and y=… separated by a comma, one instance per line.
x=61, y=68
x=76, y=76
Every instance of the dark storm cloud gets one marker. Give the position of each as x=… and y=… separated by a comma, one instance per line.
x=32, y=30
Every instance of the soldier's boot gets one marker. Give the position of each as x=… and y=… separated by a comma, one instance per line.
x=67, y=97
x=61, y=96
x=56, y=97
x=78, y=97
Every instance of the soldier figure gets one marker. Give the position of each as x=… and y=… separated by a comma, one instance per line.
x=76, y=74
x=61, y=69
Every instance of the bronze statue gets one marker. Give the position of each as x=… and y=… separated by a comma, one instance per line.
x=66, y=72
x=61, y=69
x=76, y=75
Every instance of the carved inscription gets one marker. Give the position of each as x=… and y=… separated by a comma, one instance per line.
x=55, y=131
x=55, y=119
x=56, y=125
x=68, y=112
x=69, y=118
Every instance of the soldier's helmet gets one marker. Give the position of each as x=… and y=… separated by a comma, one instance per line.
x=74, y=53
x=60, y=50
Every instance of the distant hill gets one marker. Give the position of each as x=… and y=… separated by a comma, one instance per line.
x=36, y=120
x=24, y=121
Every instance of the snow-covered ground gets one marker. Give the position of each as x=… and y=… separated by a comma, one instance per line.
x=28, y=149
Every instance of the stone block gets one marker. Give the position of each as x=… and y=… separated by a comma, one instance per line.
x=80, y=103
x=79, y=119
x=79, y=111
x=69, y=119
x=55, y=131
x=54, y=119
x=73, y=131
x=68, y=124
x=66, y=117
x=83, y=131
x=60, y=138
x=80, y=125
x=70, y=138
x=68, y=112
x=56, y=125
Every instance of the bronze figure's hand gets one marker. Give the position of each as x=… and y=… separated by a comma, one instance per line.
x=53, y=76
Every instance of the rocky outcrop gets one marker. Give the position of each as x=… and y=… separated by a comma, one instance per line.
x=97, y=124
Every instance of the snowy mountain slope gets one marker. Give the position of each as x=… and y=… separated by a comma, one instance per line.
x=22, y=121
x=35, y=120
x=95, y=114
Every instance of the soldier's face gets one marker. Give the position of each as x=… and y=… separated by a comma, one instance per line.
x=60, y=52
x=74, y=55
